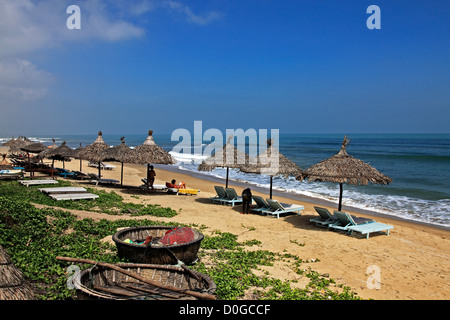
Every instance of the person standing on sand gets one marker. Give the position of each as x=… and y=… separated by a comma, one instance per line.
x=151, y=177
x=246, y=200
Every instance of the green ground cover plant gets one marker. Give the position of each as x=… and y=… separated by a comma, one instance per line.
x=35, y=237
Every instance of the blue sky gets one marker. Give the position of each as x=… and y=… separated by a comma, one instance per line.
x=298, y=66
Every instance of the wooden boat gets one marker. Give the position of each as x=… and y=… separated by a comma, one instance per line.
x=172, y=283
x=169, y=254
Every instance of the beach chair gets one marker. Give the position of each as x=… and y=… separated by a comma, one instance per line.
x=352, y=224
x=73, y=196
x=260, y=204
x=37, y=182
x=232, y=197
x=65, y=173
x=96, y=180
x=276, y=208
x=325, y=217
x=221, y=194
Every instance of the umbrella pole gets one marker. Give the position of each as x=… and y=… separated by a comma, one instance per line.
x=121, y=175
x=340, y=197
x=80, y=165
x=148, y=176
x=226, y=182
x=99, y=171
x=270, y=187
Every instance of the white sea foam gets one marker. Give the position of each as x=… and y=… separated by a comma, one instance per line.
x=429, y=211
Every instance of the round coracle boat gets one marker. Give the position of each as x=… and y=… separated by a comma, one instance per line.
x=143, y=282
x=158, y=244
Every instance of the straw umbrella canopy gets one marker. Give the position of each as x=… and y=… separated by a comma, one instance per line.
x=16, y=145
x=150, y=153
x=121, y=153
x=343, y=168
x=228, y=157
x=93, y=151
x=13, y=286
x=36, y=147
x=265, y=165
x=59, y=153
x=8, y=143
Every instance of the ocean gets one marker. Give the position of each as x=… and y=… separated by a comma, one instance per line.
x=417, y=163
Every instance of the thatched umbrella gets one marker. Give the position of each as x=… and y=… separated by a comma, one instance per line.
x=121, y=153
x=93, y=151
x=150, y=153
x=265, y=165
x=34, y=147
x=8, y=143
x=13, y=286
x=16, y=145
x=228, y=157
x=343, y=168
x=59, y=153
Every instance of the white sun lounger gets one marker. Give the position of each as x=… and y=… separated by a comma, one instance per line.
x=63, y=190
x=73, y=196
x=37, y=182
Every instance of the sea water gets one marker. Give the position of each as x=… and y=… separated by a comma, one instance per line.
x=418, y=164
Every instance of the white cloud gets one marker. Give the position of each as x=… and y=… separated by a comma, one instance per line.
x=27, y=26
x=22, y=80
x=190, y=15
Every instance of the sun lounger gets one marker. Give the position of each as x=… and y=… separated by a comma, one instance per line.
x=95, y=179
x=325, y=219
x=73, y=196
x=63, y=190
x=221, y=194
x=232, y=197
x=355, y=224
x=66, y=173
x=260, y=204
x=37, y=182
x=276, y=208
x=104, y=181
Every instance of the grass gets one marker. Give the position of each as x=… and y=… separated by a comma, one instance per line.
x=35, y=237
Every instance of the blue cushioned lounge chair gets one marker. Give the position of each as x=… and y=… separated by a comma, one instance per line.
x=360, y=225
x=276, y=208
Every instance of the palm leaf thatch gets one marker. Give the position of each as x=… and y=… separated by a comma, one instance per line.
x=8, y=143
x=16, y=145
x=36, y=147
x=57, y=153
x=13, y=286
x=228, y=157
x=272, y=162
x=121, y=153
x=149, y=152
x=93, y=151
x=343, y=168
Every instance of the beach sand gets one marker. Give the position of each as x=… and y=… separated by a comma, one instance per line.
x=413, y=260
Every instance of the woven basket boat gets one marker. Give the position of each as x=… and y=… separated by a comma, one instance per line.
x=185, y=252
x=108, y=284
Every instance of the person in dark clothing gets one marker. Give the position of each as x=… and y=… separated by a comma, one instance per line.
x=246, y=200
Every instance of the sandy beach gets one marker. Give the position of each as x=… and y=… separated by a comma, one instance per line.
x=413, y=260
